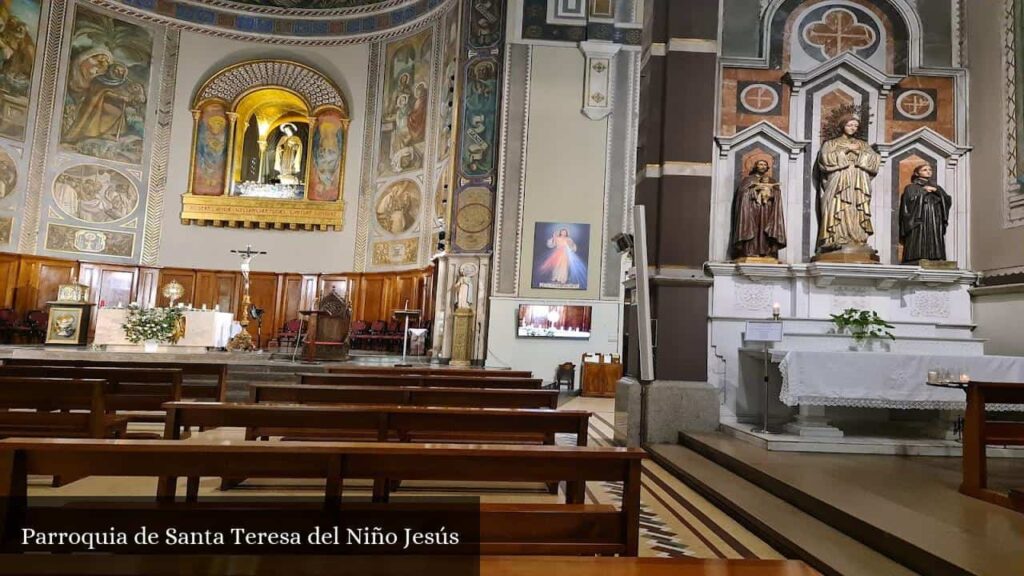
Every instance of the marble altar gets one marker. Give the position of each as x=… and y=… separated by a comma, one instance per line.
x=203, y=329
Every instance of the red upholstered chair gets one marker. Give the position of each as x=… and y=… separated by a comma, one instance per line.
x=288, y=334
x=35, y=324
x=8, y=320
x=378, y=333
x=360, y=334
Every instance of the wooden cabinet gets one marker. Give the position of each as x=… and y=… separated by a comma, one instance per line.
x=599, y=373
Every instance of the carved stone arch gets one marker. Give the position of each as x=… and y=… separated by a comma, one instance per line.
x=902, y=15
x=232, y=83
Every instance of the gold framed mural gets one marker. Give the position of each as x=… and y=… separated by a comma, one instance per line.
x=269, y=146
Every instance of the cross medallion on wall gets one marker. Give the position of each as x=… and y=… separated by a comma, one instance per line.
x=839, y=31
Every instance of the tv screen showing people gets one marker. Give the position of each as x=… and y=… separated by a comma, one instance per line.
x=546, y=321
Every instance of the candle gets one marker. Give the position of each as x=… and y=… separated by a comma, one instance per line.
x=933, y=376
x=776, y=309
x=964, y=378
x=204, y=306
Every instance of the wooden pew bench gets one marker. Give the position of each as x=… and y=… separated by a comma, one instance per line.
x=429, y=371
x=566, y=529
x=980, y=431
x=415, y=380
x=133, y=391
x=216, y=392
x=402, y=396
x=58, y=408
x=382, y=424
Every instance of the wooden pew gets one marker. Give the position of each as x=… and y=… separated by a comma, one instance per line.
x=402, y=396
x=567, y=529
x=414, y=380
x=381, y=424
x=132, y=390
x=980, y=431
x=58, y=408
x=215, y=392
x=428, y=371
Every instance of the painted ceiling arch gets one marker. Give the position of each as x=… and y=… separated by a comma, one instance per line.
x=293, y=22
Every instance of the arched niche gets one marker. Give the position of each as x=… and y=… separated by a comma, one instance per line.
x=268, y=149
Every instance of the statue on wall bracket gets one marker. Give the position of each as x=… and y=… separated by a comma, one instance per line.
x=758, y=220
x=924, y=217
x=845, y=168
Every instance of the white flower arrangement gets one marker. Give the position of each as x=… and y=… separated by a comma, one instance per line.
x=150, y=324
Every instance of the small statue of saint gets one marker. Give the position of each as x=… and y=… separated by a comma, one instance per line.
x=924, y=217
x=288, y=159
x=462, y=292
x=758, y=221
x=846, y=166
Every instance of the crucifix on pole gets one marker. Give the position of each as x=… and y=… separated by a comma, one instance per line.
x=243, y=341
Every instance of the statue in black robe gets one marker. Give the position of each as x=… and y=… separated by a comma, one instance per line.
x=924, y=216
x=758, y=223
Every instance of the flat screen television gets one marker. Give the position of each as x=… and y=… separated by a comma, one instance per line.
x=548, y=321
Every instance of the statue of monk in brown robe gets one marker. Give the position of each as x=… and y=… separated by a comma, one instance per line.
x=758, y=222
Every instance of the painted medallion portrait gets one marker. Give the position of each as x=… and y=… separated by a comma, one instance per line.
x=406, y=102
x=19, y=29
x=398, y=208
x=107, y=87
x=560, y=255
x=8, y=174
x=95, y=194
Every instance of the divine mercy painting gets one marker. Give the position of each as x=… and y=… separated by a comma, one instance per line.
x=405, y=104
x=19, y=29
x=107, y=86
x=560, y=255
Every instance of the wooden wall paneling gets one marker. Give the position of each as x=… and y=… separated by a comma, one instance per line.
x=187, y=279
x=9, y=264
x=291, y=299
x=214, y=289
x=405, y=293
x=38, y=280
x=343, y=284
x=149, y=283
x=111, y=284
x=263, y=291
x=372, y=298
x=310, y=283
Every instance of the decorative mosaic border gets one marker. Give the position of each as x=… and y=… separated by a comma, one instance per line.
x=51, y=54
x=1013, y=209
x=369, y=168
x=277, y=26
x=160, y=155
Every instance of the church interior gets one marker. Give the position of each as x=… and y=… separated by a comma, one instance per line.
x=616, y=287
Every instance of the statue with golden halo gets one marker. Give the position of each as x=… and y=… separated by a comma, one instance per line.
x=846, y=166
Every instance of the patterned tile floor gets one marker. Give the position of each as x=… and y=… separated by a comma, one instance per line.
x=675, y=521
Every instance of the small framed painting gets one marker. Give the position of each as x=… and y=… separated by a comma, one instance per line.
x=65, y=325
x=560, y=256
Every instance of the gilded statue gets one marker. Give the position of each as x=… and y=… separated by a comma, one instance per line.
x=924, y=217
x=758, y=222
x=288, y=159
x=846, y=166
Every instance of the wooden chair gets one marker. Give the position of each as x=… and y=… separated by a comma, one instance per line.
x=58, y=408
x=572, y=528
x=980, y=431
x=566, y=374
x=403, y=396
x=415, y=380
x=360, y=334
x=288, y=334
x=36, y=324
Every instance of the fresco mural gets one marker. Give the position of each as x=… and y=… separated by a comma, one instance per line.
x=480, y=117
x=61, y=238
x=107, y=87
x=328, y=152
x=19, y=29
x=310, y=4
x=8, y=174
x=398, y=208
x=405, y=104
x=94, y=193
x=450, y=59
x=211, y=153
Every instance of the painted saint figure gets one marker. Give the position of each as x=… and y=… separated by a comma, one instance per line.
x=846, y=164
x=288, y=158
x=562, y=263
x=759, y=227
x=924, y=217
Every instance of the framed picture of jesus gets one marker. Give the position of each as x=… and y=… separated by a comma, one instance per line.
x=561, y=255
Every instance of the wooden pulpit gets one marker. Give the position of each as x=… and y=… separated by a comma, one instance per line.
x=327, y=338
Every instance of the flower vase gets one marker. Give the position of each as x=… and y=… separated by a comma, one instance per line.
x=150, y=346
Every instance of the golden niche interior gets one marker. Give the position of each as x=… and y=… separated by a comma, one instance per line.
x=270, y=157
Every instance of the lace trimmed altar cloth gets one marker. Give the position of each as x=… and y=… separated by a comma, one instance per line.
x=884, y=380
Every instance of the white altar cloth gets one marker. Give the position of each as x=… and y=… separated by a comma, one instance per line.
x=885, y=380
x=203, y=329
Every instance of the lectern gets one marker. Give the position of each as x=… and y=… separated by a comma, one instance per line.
x=406, y=315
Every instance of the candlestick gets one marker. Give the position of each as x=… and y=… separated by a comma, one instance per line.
x=776, y=310
x=964, y=378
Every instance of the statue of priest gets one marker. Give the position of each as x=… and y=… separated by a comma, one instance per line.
x=924, y=216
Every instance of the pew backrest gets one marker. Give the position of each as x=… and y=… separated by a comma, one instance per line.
x=429, y=371
x=402, y=395
x=417, y=380
x=129, y=388
x=54, y=406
